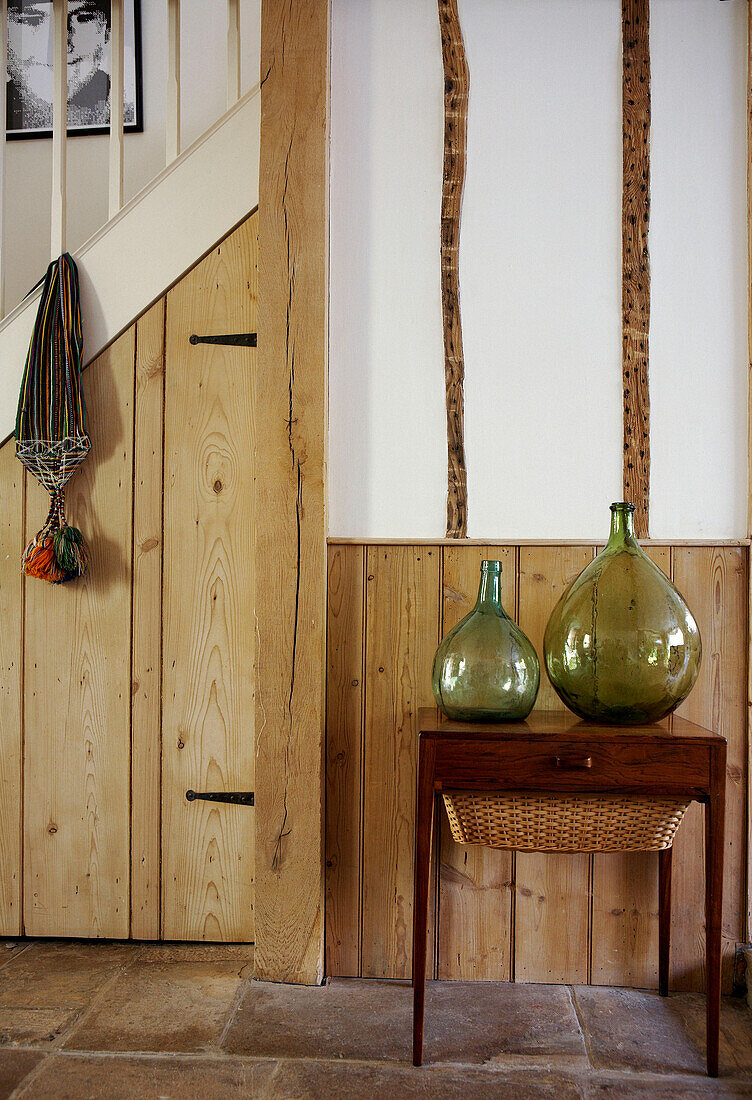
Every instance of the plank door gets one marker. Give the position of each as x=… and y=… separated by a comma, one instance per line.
x=208, y=621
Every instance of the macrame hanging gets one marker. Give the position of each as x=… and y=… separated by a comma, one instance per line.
x=51, y=436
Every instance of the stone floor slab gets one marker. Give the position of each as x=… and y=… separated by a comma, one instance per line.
x=471, y=1022
x=32, y=1026
x=626, y=1086
x=637, y=1030
x=102, y=1077
x=58, y=974
x=14, y=1066
x=164, y=1006
x=324, y=1080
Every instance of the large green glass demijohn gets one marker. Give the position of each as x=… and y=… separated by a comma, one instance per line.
x=486, y=669
x=621, y=645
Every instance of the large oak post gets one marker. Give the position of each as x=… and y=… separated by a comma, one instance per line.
x=291, y=417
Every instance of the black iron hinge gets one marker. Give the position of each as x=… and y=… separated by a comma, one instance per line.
x=237, y=339
x=238, y=798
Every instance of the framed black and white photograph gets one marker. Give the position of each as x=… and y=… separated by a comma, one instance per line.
x=30, y=67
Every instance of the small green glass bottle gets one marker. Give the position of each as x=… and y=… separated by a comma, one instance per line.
x=486, y=669
x=621, y=645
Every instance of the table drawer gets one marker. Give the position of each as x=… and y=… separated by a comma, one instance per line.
x=576, y=765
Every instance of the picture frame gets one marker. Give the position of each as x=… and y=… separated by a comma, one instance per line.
x=30, y=68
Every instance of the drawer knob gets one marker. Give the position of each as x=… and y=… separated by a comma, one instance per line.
x=574, y=762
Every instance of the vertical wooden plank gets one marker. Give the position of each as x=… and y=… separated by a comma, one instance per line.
x=635, y=258
x=209, y=629
x=11, y=664
x=291, y=489
x=402, y=611
x=552, y=903
x=59, y=127
x=344, y=722
x=456, y=91
x=146, y=658
x=77, y=685
x=116, y=108
x=475, y=884
x=713, y=580
x=625, y=900
x=172, y=107
x=233, y=52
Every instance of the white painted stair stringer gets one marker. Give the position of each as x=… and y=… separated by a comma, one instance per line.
x=164, y=229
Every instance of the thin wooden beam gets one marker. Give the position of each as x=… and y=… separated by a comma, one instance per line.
x=635, y=259
x=291, y=553
x=116, y=107
x=172, y=121
x=233, y=52
x=3, y=114
x=59, y=127
x=456, y=88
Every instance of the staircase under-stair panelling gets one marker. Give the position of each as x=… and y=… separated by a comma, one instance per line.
x=125, y=689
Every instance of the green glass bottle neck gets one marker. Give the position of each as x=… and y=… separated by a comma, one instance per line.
x=489, y=590
x=622, y=527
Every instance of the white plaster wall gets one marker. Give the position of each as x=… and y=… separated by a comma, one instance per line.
x=540, y=269
x=204, y=95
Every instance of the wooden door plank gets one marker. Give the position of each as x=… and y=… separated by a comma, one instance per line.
x=402, y=612
x=344, y=732
x=625, y=900
x=291, y=490
x=77, y=685
x=475, y=883
x=11, y=666
x=552, y=902
x=146, y=661
x=714, y=583
x=209, y=629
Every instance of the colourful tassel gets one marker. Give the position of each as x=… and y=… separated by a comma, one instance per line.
x=39, y=560
x=70, y=552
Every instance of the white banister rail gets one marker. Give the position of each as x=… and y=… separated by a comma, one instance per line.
x=59, y=127
x=172, y=121
x=116, y=107
x=233, y=52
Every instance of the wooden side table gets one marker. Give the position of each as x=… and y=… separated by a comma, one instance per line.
x=556, y=753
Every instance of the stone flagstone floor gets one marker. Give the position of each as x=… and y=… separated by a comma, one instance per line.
x=110, y=1020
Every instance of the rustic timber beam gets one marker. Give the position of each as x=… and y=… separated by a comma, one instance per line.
x=635, y=292
x=456, y=88
x=291, y=433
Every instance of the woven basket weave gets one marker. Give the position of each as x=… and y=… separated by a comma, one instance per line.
x=563, y=823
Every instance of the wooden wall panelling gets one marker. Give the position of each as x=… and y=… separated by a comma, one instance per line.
x=552, y=892
x=11, y=667
x=77, y=685
x=402, y=612
x=475, y=884
x=291, y=490
x=625, y=900
x=635, y=257
x=209, y=629
x=714, y=583
x=146, y=657
x=344, y=728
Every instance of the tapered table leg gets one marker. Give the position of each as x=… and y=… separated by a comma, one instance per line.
x=424, y=822
x=664, y=919
x=714, y=833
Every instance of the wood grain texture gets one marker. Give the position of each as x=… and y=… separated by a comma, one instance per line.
x=714, y=583
x=456, y=91
x=11, y=670
x=344, y=732
x=146, y=655
x=291, y=490
x=402, y=612
x=552, y=903
x=625, y=900
x=475, y=883
x=77, y=685
x=635, y=257
x=207, y=687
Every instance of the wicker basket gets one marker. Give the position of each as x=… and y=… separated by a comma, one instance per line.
x=563, y=823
